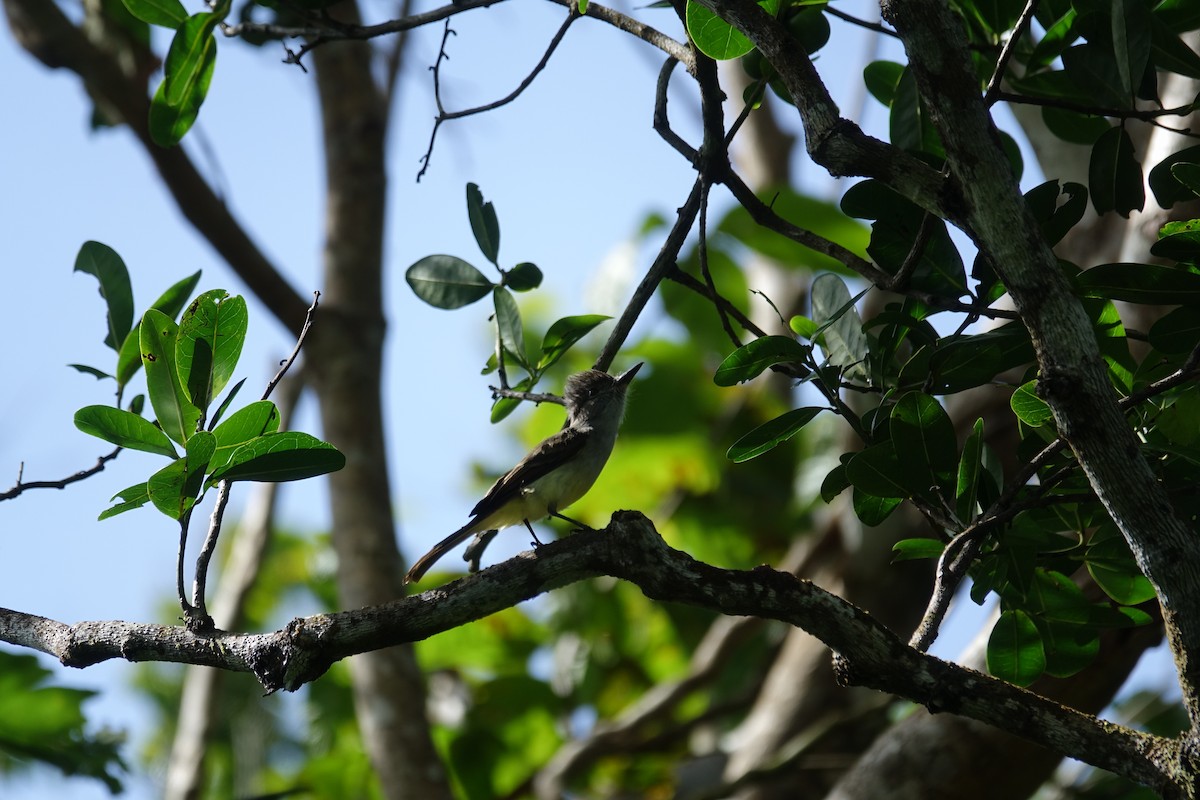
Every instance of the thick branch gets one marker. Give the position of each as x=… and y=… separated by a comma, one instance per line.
x=1073, y=377
x=629, y=548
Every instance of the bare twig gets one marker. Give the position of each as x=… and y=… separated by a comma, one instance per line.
x=445, y=116
x=22, y=485
x=1010, y=46
x=532, y=397
x=291, y=359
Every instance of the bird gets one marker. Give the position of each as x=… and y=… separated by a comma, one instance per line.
x=557, y=472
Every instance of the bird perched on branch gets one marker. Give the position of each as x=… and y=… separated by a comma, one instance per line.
x=557, y=472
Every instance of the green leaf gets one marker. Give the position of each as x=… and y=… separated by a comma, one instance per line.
x=1115, y=174
x=1029, y=407
x=187, y=74
x=1074, y=127
x=176, y=414
x=959, y=363
x=914, y=549
x=842, y=336
x=877, y=471
x=1112, y=566
x=98, y=374
x=172, y=301
x=909, y=125
x=174, y=488
x=835, y=483
x=872, y=510
x=245, y=424
x=772, y=434
x=506, y=405
x=1166, y=187
x=1056, y=217
x=924, y=440
x=881, y=79
x=1177, y=332
x=523, y=277
x=715, y=37
x=167, y=13
x=103, y=262
x=124, y=429
x=563, y=334
x=508, y=325
x=484, y=223
x=132, y=497
x=970, y=466
x=582, y=4
x=221, y=409
x=1093, y=73
x=803, y=327
x=1187, y=174
x=1014, y=651
x=1169, y=51
x=1131, y=41
x=282, y=456
x=1152, y=284
x=447, y=282
x=209, y=344
x=749, y=360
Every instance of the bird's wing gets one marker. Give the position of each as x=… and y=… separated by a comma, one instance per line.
x=544, y=458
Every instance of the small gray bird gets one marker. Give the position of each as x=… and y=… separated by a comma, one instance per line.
x=557, y=472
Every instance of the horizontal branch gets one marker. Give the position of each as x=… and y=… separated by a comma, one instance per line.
x=869, y=654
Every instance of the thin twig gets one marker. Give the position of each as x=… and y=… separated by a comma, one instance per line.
x=899, y=281
x=22, y=485
x=862, y=23
x=1006, y=54
x=661, y=123
x=532, y=397
x=688, y=282
x=287, y=363
x=445, y=116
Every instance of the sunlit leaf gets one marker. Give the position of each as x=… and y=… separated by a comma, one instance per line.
x=1014, y=651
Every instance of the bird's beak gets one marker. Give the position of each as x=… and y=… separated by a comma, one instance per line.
x=625, y=377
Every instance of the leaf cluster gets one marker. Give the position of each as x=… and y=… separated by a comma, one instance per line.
x=188, y=365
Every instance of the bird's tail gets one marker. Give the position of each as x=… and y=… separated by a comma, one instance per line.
x=440, y=549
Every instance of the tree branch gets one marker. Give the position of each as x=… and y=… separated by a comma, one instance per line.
x=630, y=548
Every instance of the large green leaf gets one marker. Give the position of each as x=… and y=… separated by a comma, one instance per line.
x=187, y=73
x=749, y=360
x=132, y=497
x=1153, y=284
x=924, y=441
x=167, y=13
x=1131, y=41
x=124, y=429
x=1178, y=331
x=1168, y=189
x=1029, y=407
x=245, y=424
x=771, y=434
x=1179, y=241
x=877, y=471
x=715, y=37
x=1054, y=217
x=447, y=281
x=281, y=456
x=208, y=345
x=970, y=467
x=170, y=303
x=176, y=414
x=1170, y=52
x=174, y=488
x=1015, y=652
x=563, y=334
x=1115, y=174
x=842, y=336
x=103, y=262
x=508, y=325
x=1112, y=566
x=484, y=223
